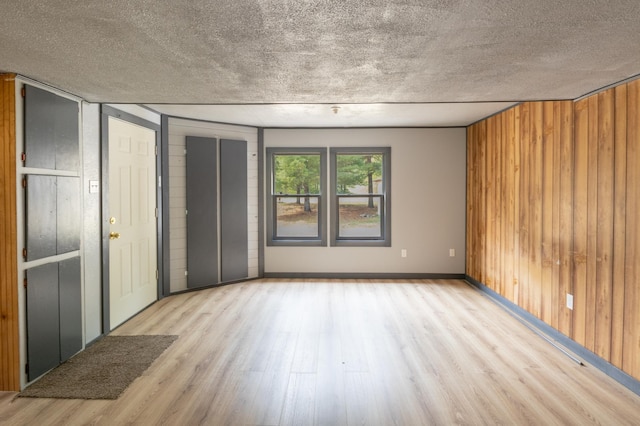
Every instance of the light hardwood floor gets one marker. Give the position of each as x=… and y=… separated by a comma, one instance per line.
x=310, y=352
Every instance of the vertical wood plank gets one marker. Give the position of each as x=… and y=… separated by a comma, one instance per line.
x=9, y=340
x=525, y=197
x=470, y=209
x=482, y=200
x=477, y=233
x=490, y=208
x=581, y=158
x=565, y=233
x=548, y=293
x=535, y=204
x=604, y=231
x=592, y=225
x=509, y=202
x=501, y=201
x=517, y=178
x=619, y=225
x=631, y=344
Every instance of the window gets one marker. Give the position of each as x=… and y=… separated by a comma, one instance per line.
x=360, y=197
x=296, y=196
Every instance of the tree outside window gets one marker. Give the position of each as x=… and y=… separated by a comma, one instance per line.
x=296, y=200
x=360, y=196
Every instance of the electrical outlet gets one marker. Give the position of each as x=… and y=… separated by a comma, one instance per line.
x=452, y=252
x=403, y=253
x=570, y=301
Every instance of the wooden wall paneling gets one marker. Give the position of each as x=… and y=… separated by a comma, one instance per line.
x=490, y=142
x=509, y=202
x=535, y=203
x=553, y=202
x=619, y=225
x=9, y=339
x=525, y=189
x=548, y=290
x=604, y=231
x=565, y=233
x=631, y=344
x=581, y=165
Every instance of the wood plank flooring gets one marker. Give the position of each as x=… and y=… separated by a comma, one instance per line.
x=310, y=352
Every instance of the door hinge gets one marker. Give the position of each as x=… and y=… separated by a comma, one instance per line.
x=24, y=182
x=23, y=92
x=156, y=149
x=23, y=157
x=24, y=253
x=156, y=212
x=157, y=275
x=25, y=283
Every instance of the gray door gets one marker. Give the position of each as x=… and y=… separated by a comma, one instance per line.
x=233, y=210
x=202, y=211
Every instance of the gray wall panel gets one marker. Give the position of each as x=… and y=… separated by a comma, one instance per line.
x=68, y=214
x=91, y=254
x=202, y=216
x=43, y=331
x=39, y=143
x=41, y=195
x=233, y=210
x=66, y=135
x=51, y=130
x=70, y=308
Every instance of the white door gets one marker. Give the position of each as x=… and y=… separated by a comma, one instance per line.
x=132, y=211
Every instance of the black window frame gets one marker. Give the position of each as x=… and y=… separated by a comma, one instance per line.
x=272, y=238
x=385, y=221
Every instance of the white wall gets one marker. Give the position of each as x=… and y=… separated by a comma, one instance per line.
x=428, y=169
x=178, y=130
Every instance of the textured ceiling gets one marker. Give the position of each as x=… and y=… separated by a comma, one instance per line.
x=322, y=52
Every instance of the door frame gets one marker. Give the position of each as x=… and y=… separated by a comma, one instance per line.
x=107, y=112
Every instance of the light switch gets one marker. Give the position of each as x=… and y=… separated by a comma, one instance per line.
x=94, y=186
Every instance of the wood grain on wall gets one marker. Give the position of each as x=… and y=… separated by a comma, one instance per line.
x=9, y=341
x=553, y=190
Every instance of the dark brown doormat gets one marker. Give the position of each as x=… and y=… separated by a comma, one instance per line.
x=103, y=371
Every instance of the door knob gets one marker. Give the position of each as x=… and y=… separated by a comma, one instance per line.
x=114, y=235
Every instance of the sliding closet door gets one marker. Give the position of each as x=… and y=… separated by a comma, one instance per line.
x=202, y=211
x=233, y=210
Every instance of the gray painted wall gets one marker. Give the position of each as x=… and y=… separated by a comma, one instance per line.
x=428, y=203
x=91, y=221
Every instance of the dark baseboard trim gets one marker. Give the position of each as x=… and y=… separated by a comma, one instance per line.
x=205, y=287
x=363, y=275
x=601, y=364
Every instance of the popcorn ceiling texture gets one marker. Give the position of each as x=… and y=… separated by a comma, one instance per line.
x=326, y=51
